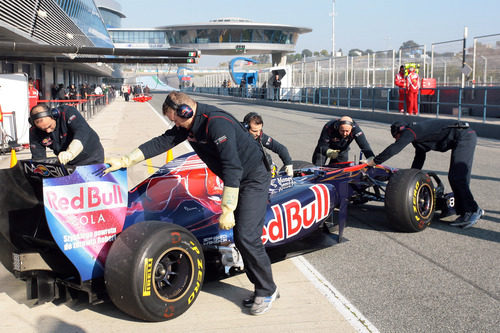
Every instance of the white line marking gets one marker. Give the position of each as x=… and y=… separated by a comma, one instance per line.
x=349, y=311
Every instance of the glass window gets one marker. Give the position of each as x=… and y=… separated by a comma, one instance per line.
x=246, y=35
x=276, y=36
x=224, y=36
x=258, y=36
x=201, y=36
x=235, y=36
x=213, y=35
x=268, y=36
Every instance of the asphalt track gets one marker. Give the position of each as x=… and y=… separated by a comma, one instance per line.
x=443, y=279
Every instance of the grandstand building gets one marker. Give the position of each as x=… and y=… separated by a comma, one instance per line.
x=224, y=36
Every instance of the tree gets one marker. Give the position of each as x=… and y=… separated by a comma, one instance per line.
x=355, y=52
x=306, y=53
x=262, y=58
x=324, y=53
x=409, y=45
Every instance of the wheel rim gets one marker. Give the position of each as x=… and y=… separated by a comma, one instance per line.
x=425, y=201
x=173, y=274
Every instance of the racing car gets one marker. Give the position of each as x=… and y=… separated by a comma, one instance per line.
x=148, y=249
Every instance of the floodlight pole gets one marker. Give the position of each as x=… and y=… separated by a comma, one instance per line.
x=463, y=57
x=333, y=28
x=333, y=45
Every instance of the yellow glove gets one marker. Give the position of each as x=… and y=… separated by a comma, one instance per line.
x=75, y=147
x=125, y=161
x=228, y=205
x=332, y=153
x=289, y=170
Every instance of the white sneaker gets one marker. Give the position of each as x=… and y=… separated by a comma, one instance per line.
x=262, y=304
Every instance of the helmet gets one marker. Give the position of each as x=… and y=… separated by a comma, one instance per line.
x=397, y=127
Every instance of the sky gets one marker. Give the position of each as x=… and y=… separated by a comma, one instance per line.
x=363, y=24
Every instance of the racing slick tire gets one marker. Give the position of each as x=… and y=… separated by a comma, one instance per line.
x=410, y=200
x=154, y=270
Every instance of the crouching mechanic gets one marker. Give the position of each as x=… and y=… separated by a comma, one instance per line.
x=67, y=133
x=335, y=139
x=254, y=123
x=441, y=135
x=232, y=154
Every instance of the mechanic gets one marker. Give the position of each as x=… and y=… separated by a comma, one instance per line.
x=277, y=87
x=335, y=139
x=412, y=88
x=400, y=81
x=441, y=135
x=66, y=132
x=253, y=123
x=33, y=94
x=232, y=154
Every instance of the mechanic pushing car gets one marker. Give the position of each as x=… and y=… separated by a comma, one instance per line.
x=233, y=155
x=253, y=123
x=67, y=133
x=335, y=139
x=441, y=135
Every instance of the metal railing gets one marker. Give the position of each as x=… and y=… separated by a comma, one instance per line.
x=481, y=102
x=88, y=107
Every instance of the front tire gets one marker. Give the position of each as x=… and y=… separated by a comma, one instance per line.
x=154, y=270
x=410, y=200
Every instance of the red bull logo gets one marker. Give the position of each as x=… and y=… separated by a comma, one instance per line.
x=290, y=218
x=82, y=198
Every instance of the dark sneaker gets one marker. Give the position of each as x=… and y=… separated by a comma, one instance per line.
x=468, y=219
x=248, y=302
x=474, y=218
x=262, y=304
x=459, y=221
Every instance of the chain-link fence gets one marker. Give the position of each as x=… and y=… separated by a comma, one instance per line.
x=444, y=61
x=486, y=60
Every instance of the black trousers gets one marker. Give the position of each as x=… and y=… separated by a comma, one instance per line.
x=250, y=216
x=459, y=174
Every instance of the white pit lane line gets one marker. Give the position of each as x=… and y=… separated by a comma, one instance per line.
x=349, y=311
x=346, y=309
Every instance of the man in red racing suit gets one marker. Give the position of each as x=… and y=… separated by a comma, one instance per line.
x=400, y=81
x=412, y=86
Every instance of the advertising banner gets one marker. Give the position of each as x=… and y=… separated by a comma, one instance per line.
x=85, y=212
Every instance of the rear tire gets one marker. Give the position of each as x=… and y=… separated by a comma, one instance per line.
x=154, y=270
x=410, y=200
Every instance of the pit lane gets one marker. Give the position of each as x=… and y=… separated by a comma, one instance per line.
x=442, y=279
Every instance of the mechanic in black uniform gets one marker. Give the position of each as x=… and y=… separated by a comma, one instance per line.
x=441, y=135
x=232, y=154
x=67, y=133
x=335, y=139
x=254, y=123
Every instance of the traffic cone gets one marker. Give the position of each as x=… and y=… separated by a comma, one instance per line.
x=13, y=158
x=170, y=156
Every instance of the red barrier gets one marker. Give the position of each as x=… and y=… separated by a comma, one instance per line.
x=142, y=98
x=428, y=86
